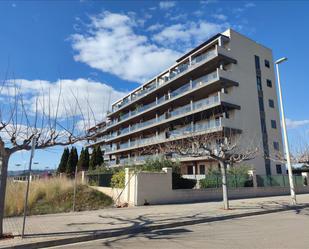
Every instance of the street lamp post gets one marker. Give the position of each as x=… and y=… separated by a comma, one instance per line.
x=285, y=136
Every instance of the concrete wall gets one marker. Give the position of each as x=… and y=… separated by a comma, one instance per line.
x=247, y=118
x=115, y=193
x=156, y=188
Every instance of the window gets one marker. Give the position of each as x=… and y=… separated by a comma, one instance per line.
x=276, y=145
x=261, y=104
x=271, y=103
x=263, y=126
x=190, y=170
x=257, y=62
x=273, y=124
x=267, y=63
x=278, y=169
x=259, y=83
x=202, y=169
x=269, y=84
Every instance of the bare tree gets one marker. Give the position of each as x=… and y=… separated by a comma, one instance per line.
x=52, y=120
x=227, y=148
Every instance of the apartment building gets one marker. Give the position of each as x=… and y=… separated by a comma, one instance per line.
x=227, y=82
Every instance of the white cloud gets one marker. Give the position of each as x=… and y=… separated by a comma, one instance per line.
x=167, y=4
x=155, y=27
x=188, y=34
x=220, y=17
x=250, y=5
x=208, y=1
x=291, y=124
x=177, y=17
x=92, y=96
x=246, y=6
x=113, y=46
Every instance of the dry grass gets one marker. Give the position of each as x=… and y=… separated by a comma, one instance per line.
x=50, y=196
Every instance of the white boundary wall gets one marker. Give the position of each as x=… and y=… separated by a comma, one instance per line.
x=156, y=188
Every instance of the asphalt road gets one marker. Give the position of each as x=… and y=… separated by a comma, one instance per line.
x=288, y=229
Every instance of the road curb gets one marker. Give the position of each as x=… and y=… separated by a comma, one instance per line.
x=103, y=235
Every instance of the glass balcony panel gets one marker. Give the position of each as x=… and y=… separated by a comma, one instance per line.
x=124, y=145
x=125, y=130
x=148, y=122
x=180, y=110
x=179, y=69
x=181, y=131
x=124, y=116
x=161, y=118
x=203, y=56
x=180, y=90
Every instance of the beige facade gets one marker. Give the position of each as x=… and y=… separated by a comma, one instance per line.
x=228, y=82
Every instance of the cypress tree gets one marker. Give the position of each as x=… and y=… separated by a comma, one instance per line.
x=99, y=160
x=64, y=160
x=83, y=162
x=86, y=153
x=72, y=162
x=92, y=162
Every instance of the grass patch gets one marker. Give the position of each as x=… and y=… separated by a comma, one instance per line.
x=52, y=196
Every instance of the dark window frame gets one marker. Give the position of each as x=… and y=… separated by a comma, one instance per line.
x=267, y=63
x=276, y=145
x=279, y=169
x=190, y=169
x=269, y=83
x=271, y=103
x=273, y=124
x=203, y=171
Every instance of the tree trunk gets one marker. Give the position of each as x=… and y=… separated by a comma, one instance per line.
x=4, y=159
x=224, y=185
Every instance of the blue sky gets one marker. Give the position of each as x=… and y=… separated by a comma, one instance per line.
x=110, y=47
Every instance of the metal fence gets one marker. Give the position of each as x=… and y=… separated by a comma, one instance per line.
x=278, y=181
x=233, y=181
x=100, y=179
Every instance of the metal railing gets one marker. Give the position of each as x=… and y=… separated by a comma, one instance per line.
x=177, y=112
x=174, y=72
x=185, y=130
x=183, y=89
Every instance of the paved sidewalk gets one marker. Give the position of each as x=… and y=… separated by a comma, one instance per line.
x=83, y=226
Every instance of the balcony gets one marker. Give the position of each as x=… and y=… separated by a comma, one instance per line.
x=196, y=84
x=176, y=113
x=170, y=75
x=185, y=131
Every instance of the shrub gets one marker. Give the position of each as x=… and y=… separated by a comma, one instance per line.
x=178, y=182
x=157, y=164
x=118, y=180
x=237, y=176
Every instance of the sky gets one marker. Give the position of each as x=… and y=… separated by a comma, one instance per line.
x=104, y=49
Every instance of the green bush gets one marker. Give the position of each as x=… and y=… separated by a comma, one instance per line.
x=178, y=182
x=157, y=164
x=237, y=176
x=118, y=180
x=210, y=181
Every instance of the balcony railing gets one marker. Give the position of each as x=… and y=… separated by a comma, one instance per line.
x=182, y=131
x=177, y=112
x=174, y=72
x=183, y=89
